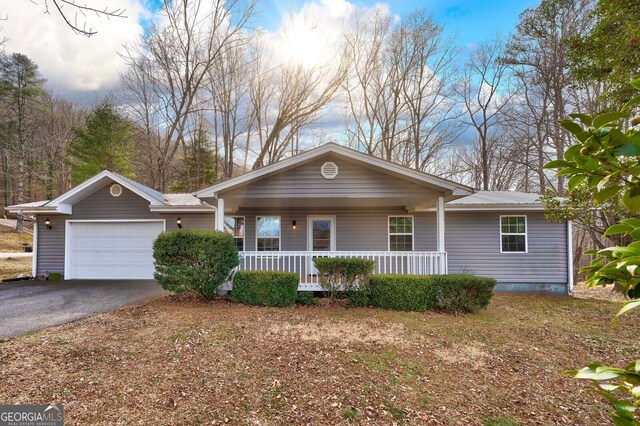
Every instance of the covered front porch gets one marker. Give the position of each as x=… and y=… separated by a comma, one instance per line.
x=335, y=202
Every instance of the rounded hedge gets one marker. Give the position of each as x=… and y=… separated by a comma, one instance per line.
x=194, y=260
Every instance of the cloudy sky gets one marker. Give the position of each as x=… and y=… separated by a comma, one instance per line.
x=85, y=69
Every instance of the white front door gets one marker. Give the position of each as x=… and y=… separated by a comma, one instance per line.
x=321, y=236
x=111, y=249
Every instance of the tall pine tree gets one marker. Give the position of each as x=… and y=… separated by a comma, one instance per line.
x=105, y=142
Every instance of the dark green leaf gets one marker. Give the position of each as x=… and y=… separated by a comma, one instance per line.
x=608, y=118
x=571, y=126
x=627, y=150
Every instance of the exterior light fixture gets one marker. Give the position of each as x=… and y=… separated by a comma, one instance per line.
x=47, y=223
x=293, y=225
x=179, y=223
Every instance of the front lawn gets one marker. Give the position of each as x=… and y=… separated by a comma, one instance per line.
x=13, y=267
x=179, y=360
x=12, y=242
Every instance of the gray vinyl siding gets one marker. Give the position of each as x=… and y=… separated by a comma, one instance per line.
x=102, y=206
x=356, y=230
x=352, y=180
x=472, y=241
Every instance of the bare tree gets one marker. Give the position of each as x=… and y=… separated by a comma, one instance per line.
x=74, y=14
x=288, y=98
x=172, y=64
x=485, y=97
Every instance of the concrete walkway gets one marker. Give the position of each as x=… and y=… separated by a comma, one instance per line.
x=33, y=305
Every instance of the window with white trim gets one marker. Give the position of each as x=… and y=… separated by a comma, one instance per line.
x=234, y=225
x=513, y=234
x=268, y=233
x=400, y=233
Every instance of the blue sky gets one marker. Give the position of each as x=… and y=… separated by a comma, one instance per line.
x=473, y=20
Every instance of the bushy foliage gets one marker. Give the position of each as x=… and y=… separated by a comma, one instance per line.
x=265, y=288
x=342, y=274
x=462, y=293
x=306, y=298
x=606, y=157
x=402, y=292
x=194, y=260
x=453, y=293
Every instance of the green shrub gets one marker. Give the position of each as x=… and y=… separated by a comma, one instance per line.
x=453, y=293
x=265, y=288
x=402, y=292
x=338, y=274
x=194, y=260
x=462, y=293
x=358, y=298
x=306, y=298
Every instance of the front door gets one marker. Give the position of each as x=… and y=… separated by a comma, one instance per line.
x=321, y=236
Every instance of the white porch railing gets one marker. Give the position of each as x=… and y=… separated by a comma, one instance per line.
x=301, y=262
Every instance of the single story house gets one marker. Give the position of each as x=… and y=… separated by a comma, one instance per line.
x=328, y=201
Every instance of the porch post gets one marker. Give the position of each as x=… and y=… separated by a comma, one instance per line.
x=440, y=228
x=220, y=215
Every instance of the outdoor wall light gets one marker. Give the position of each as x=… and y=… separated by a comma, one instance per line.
x=293, y=225
x=47, y=223
x=179, y=223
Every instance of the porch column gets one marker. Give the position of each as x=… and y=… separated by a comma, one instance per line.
x=440, y=224
x=440, y=229
x=220, y=215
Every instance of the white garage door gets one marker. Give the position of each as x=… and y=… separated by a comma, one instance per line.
x=111, y=250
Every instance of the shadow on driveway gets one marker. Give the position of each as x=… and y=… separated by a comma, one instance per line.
x=33, y=305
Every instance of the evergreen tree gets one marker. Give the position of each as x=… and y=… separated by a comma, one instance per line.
x=610, y=52
x=105, y=142
x=21, y=87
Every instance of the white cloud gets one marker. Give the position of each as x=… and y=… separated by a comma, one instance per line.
x=74, y=65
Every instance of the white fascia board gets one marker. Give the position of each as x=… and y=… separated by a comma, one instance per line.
x=186, y=209
x=88, y=183
x=492, y=207
x=59, y=209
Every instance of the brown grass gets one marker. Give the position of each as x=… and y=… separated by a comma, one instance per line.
x=179, y=360
x=15, y=266
x=11, y=242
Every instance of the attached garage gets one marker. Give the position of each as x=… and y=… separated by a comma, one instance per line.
x=111, y=249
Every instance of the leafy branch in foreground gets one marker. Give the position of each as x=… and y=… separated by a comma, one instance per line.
x=606, y=158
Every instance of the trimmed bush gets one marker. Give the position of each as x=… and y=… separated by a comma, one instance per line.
x=402, y=292
x=265, y=288
x=306, y=298
x=462, y=293
x=453, y=293
x=194, y=260
x=358, y=298
x=342, y=274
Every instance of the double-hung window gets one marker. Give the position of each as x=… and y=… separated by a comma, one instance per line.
x=513, y=234
x=400, y=233
x=268, y=233
x=234, y=225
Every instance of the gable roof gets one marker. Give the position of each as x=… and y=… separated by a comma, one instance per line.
x=157, y=200
x=384, y=166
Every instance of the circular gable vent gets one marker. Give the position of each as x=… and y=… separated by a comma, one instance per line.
x=329, y=170
x=115, y=190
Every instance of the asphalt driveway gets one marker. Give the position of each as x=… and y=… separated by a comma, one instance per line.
x=33, y=305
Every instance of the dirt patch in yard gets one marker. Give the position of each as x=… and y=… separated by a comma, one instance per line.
x=179, y=360
x=12, y=242
x=13, y=267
